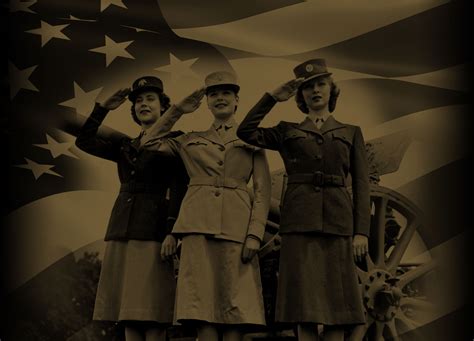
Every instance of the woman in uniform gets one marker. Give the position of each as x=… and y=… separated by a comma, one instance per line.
x=322, y=227
x=136, y=285
x=219, y=287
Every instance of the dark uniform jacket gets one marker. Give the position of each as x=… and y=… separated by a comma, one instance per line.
x=141, y=210
x=319, y=164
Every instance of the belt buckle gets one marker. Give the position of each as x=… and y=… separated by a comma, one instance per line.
x=318, y=178
x=219, y=182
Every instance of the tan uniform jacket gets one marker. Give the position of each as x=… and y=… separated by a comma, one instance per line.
x=219, y=166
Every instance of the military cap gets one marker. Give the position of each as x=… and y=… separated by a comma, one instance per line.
x=221, y=79
x=311, y=69
x=146, y=83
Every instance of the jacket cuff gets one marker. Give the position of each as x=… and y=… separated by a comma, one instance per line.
x=256, y=230
x=363, y=231
x=170, y=224
x=268, y=98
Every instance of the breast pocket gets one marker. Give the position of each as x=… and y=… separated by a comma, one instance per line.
x=295, y=142
x=342, y=143
x=196, y=145
x=243, y=146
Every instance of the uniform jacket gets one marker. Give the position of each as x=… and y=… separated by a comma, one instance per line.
x=337, y=150
x=141, y=210
x=218, y=202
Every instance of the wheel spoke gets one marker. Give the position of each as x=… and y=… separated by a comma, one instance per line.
x=378, y=232
x=362, y=275
x=392, y=331
x=409, y=323
x=417, y=303
x=402, y=245
x=379, y=327
x=413, y=274
x=359, y=332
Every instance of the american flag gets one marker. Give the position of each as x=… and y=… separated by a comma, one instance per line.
x=401, y=66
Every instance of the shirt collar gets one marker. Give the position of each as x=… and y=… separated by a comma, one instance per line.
x=323, y=117
x=230, y=123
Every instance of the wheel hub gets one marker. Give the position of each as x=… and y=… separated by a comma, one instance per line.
x=380, y=295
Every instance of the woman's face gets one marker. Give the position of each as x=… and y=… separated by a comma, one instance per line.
x=316, y=93
x=222, y=102
x=148, y=107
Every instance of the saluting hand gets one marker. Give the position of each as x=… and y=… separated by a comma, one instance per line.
x=168, y=248
x=360, y=244
x=191, y=102
x=287, y=90
x=251, y=247
x=114, y=101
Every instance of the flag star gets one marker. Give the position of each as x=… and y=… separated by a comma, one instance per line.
x=82, y=101
x=38, y=169
x=57, y=148
x=179, y=68
x=106, y=3
x=112, y=50
x=21, y=6
x=48, y=32
x=19, y=79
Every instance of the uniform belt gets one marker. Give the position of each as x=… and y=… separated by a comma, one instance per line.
x=317, y=178
x=218, y=181
x=140, y=187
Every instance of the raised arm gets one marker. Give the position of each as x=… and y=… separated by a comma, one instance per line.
x=89, y=141
x=154, y=140
x=262, y=188
x=269, y=138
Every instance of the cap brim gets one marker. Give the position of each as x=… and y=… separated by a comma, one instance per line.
x=133, y=95
x=234, y=87
x=316, y=76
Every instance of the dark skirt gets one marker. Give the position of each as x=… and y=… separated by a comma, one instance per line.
x=215, y=286
x=135, y=284
x=318, y=281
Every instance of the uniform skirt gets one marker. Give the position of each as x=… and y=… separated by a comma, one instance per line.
x=318, y=281
x=215, y=286
x=135, y=284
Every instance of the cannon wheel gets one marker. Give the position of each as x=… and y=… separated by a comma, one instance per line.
x=384, y=280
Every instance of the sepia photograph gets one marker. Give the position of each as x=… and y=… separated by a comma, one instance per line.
x=237, y=170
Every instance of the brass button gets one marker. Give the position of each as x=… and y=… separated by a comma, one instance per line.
x=132, y=172
x=129, y=200
x=134, y=159
x=220, y=162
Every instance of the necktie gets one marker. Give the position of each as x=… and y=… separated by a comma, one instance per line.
x=221, y=131
x=319, y=122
